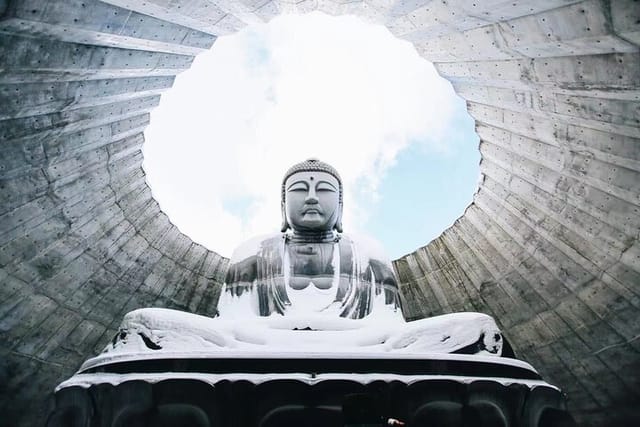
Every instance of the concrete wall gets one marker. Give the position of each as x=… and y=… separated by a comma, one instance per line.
x=549, y=246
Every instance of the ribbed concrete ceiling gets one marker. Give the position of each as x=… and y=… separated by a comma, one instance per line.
x=549, y=246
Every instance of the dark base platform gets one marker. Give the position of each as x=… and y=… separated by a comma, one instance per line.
x=270, y=399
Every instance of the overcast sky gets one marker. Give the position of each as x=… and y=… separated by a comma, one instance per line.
x=338, y=89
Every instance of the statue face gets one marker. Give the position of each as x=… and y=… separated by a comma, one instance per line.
x=312, y=201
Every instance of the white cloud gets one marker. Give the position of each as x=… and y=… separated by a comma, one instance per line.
x=338, y=89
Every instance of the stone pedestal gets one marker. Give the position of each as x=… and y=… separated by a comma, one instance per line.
x=310, y=390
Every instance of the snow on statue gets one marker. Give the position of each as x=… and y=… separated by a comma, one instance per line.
x=308, y=288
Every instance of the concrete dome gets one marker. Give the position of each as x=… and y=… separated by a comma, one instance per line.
x=549, y=245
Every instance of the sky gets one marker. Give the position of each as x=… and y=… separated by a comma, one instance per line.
x=333, y=88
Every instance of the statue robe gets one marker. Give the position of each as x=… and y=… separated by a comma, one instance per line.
x=275, y=275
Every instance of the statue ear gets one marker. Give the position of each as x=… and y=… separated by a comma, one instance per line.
x=285, y=225
x=338, y=226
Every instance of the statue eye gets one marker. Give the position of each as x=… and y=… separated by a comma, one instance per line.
x=298, y=186
x=325, y=186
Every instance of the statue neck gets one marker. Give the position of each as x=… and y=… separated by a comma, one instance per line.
x=298, y=236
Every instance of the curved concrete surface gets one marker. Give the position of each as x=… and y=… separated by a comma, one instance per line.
x=549, y=246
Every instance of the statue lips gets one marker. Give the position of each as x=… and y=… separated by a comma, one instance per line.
x=312, y=210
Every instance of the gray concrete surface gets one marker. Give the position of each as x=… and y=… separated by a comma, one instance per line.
x=549, y=245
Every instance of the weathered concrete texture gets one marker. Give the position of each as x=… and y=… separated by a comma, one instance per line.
x=549, y=246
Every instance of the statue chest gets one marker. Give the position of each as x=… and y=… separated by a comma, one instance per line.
x=312, y=263
x=312, y=258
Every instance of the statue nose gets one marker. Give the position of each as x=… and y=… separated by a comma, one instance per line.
x=311, y=198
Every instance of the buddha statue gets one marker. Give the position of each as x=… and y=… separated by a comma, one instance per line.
x=310, y=269
x=310, y=331
x=309, y=287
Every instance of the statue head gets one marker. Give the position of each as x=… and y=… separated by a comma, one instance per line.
x=312, y=197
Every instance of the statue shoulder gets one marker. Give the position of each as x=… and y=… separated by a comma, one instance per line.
x=252, y=247
x=368, y=249
x=243, y=263
x=372, y=256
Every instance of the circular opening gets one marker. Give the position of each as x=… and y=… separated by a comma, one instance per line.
x=335, y=88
